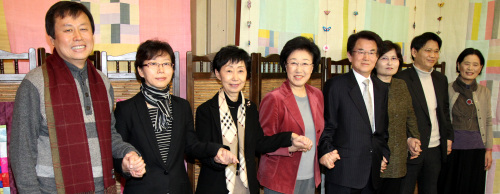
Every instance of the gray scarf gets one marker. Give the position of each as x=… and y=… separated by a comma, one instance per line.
x=160, y=99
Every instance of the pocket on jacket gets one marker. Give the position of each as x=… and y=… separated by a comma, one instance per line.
x=268, y=166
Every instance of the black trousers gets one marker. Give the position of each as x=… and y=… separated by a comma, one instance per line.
x=390, y=186
x=331, y=188
x=426, y=173
x=463, y=172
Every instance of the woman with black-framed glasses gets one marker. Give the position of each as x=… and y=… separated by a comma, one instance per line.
x=160, y=126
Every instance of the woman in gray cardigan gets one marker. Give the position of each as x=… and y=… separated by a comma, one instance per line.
x=403, y=128
x=470, y=106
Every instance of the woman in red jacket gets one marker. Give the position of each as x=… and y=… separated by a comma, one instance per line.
x=230, y=119
x=295, y=107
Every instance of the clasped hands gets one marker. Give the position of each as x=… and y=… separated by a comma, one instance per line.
x=225, y=157
x=134, y=164
x=299, y=143
x=414, y=147
x=328, y=160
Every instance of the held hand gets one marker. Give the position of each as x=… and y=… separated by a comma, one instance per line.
x=414, y=147
x=225, y=157
x=383, y=165
x=139, y=170
x=488, y=159
x=302, y=143
x=328, y=160
x=134, y=165
x=293, y=148
x=449, y=146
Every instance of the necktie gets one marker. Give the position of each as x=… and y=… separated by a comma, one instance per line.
x=368, y=102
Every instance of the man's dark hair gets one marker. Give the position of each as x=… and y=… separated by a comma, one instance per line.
x=419, y=41
x=63, y=9
x=365, y=34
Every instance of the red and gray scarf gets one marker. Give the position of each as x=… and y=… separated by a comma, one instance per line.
x=67, y=132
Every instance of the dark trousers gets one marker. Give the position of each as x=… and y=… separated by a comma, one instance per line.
x=390, y=186
x=331, y=188
x=426, y=173
x=463, y=172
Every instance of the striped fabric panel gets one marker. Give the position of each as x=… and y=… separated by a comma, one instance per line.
x=163, y=138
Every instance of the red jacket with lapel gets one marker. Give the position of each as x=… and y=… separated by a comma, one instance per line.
x=279, y=112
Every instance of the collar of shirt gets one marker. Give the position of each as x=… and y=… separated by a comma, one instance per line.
x=360, y=79
x=422, y=72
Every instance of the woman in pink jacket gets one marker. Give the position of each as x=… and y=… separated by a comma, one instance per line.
x=296, y=107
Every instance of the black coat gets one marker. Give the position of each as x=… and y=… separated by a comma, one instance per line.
x=440, y=83
x=135, y=126
x=212, y=177
x=348, y=130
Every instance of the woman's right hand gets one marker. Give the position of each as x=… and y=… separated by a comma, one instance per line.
x=134, y=164
x=225, y=157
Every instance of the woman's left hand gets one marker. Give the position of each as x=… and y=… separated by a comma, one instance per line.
x=383, y=164
x=449, y=146
x=488, y=159
x=414, y=147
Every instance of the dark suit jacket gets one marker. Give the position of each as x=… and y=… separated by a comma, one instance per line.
x=135, y=126
x=212, y=177
x=440, y=83
x=347, y=129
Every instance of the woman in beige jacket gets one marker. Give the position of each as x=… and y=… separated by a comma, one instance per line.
x=470, y=106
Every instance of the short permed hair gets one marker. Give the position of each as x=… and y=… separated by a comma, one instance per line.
x=300, y=43
x=467, y=52
x=63, y=9
x=231, y=54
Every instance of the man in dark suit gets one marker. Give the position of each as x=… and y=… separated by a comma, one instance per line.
x=429, y=93
x=353, y=145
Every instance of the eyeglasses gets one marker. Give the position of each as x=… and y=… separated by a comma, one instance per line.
x=363, y=52
x=154, y=65
x=296, y=64
x=429, y=51
x=387, y=59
